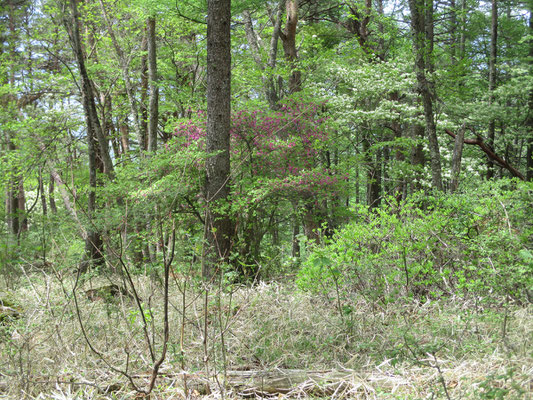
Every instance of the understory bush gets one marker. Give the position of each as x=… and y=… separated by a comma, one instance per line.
x=469, y=244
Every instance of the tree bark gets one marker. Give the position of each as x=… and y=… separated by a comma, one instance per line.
x=529, y=124
x=219, y=227
x=44, y=205
x=457, y=157
x=492, y=80
x=93, y=240
x=491, y=154
x=462, y=38
x=422, y=31
x=124, y=68
x=153, y=85
x=453, y=31
x=51, y=198
x=288, y=37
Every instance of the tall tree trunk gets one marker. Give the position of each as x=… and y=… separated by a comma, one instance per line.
x=492, y=80
x=422, y=31
x=462, y=38
x=529, y=124
x=288, y=36
x=15, y=204
x=93, y=242
x=217, y=187
x=124, y=68
x=153, y=85
x=453, y=31
x=529, y=151
x=271, y=94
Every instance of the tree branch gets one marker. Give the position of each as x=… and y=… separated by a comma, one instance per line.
x=490, y=153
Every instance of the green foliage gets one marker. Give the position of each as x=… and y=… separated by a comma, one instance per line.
x=471, y=244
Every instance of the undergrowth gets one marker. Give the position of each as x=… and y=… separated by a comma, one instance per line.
x=481, y=352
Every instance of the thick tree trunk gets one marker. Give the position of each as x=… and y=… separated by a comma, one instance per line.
x=219, y=227
x=153, y=85
x=288, y=37
x=492, y=80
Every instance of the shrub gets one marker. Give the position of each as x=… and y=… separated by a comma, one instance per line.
x=470, y=244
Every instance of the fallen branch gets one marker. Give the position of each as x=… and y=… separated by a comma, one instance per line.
x=490, y=153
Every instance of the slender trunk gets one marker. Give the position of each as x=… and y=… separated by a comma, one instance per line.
x=381, y=29
x=273, y=94
x=124, y=68
x=457, y=157
x=21, y=198
x=453, y=31
x=295, y=231
x=153, y=85
x=217, y=188
x=143, y=135
x=529, y=151
x=492, y=81
x=417, y=156
x=373, y=175
x=44, y=205
x=422, y=31
x=462, y=38
x=93, y=242
x=51, y=198
x=253, y=42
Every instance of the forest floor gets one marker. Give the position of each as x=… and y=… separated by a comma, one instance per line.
x=354, y=347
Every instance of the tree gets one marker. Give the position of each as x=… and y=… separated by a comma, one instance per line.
x=219, y=227
x=95, y=137
x=422, y=32
x=492, y=78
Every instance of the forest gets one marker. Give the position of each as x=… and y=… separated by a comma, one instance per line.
x=266, y=199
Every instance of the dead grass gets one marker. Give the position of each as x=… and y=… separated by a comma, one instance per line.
x=396, y=351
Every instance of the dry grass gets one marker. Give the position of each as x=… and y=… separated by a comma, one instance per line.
x=398, y=351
